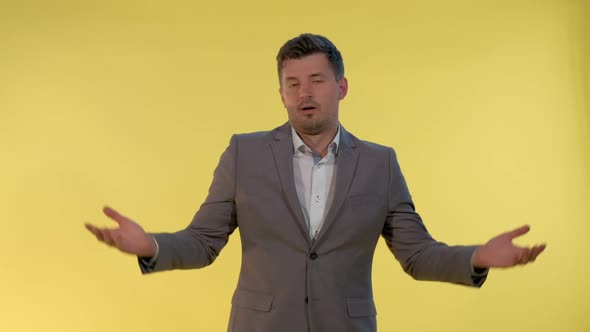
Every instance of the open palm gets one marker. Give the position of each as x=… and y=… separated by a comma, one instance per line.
x=129, y=237
x=501, y=252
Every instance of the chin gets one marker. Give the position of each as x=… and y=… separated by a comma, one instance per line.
x=313, y=128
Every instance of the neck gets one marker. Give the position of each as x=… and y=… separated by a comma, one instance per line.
x=319, y=143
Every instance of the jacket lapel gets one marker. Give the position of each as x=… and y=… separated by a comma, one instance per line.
x=345, y=167
x=282, y=149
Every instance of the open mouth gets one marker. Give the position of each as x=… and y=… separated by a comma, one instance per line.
x=308, y=108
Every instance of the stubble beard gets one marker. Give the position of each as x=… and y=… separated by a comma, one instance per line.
x=311, y=125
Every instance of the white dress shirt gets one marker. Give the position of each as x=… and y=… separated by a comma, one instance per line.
x=314, y=179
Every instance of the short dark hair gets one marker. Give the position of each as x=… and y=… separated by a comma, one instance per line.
x=307, y=44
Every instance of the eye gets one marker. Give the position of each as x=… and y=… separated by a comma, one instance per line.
x=293, y=85
x=317, y=81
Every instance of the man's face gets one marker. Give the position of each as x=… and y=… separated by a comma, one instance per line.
x=311, y=94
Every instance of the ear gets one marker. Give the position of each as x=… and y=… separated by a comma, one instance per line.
x=281, y=94
x=343, y=86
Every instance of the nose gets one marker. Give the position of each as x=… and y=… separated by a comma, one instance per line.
x=305, y=91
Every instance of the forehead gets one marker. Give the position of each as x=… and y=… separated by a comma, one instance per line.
x=316, y=63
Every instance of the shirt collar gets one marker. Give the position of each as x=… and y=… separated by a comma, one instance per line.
x=298, y=144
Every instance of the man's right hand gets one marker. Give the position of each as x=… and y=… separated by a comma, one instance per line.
x=129, y=237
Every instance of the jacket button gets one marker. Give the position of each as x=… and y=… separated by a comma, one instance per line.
x=313, y=255
x=306, y=300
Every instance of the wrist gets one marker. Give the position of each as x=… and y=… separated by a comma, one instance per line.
x=476, y=261
x=151, y=246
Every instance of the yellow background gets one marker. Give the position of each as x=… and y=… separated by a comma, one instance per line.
x=130, y=103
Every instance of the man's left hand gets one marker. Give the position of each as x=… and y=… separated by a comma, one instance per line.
x=501, y=252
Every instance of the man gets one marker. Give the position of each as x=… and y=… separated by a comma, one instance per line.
x=311, y=201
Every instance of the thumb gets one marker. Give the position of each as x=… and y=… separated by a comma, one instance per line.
x=116, y=216
x=519, y=231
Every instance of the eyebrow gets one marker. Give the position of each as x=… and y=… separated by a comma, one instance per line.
x=291, y=78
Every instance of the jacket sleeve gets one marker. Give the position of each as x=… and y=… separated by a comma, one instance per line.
x=419, y=254
x=201, y=241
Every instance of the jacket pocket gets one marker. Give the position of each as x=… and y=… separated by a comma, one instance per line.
x=252, y=300
x=361, y=308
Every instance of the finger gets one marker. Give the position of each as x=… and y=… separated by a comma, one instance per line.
x=99, y=234
x=536, y=251
x=531, y=255
x=108, y=237
x=118, y=239
x=116, y=216
x=519, y=231
x=524, y=256
x=94, y=230
x=90, y=227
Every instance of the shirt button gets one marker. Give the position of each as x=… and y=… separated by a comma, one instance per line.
x=313, y=256
x=317, y=199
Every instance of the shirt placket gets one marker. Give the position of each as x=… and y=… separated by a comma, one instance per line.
x=318, y=196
